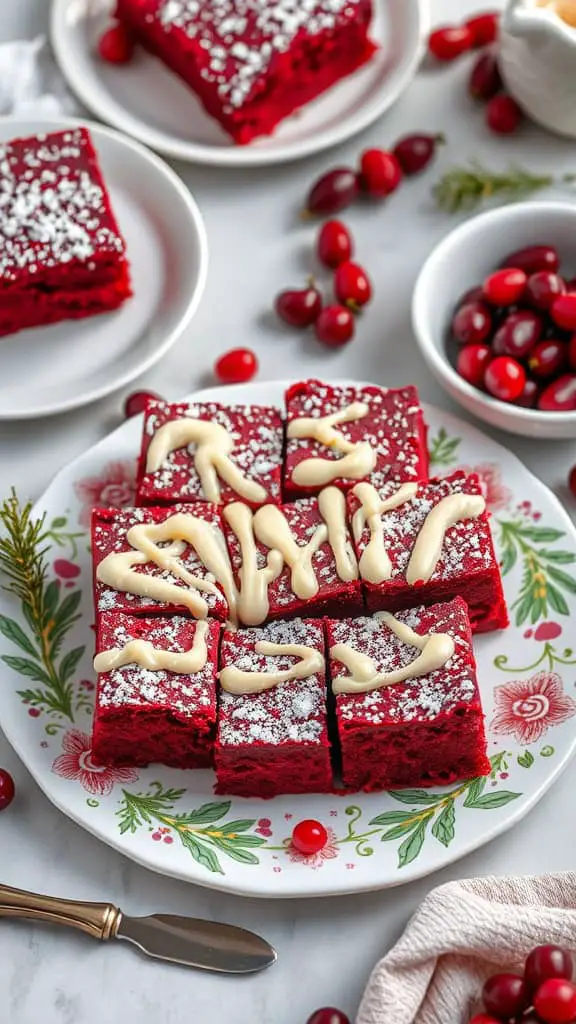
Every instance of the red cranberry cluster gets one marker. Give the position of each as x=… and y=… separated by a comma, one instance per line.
x=516, y=333
x=543, y=994
x=7, y=789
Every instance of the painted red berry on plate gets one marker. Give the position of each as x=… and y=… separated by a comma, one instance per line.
x=549, y=961
x=485, y=80
x=299, y=307
x=503, y=115
x=505, y=378
x=449, y=42
x=548, y=358
x=472, y=323
x=352, y=285
x=504, y=995
x=332, y=192
x=328, y=1015
x=309, y=837
x=504, y=287
x=380, y=173
x=335, y=326
x=116, y=45
x=560, y=395
x=472, y=362
x=414, y=152
x=335, y=244
x=136, y=403
x=236, y=366
x=484, y=28
x=542, y=288
x=7, y=789
x=533, y=258
x=555, y=1001
x=563, y=311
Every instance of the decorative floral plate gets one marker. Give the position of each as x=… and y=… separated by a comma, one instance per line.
x=170, y=820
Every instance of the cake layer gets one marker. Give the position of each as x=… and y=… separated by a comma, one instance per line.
x=34, y=307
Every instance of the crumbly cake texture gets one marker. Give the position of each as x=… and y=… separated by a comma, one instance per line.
x=109, y=529
x=334, y=596
x=275, y=741
x=143, y=716
x=253, y=62
x=257, y=432
x=467, y=566
x=394, y=427
x=422, y=732
x=62, y=255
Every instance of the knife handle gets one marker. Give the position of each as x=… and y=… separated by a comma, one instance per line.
x=99, y=920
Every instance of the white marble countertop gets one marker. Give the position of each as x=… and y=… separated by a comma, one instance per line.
x=326, y=947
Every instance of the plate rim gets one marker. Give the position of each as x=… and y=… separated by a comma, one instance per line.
x=197, y=226
x=238, y=886
x=233, y=156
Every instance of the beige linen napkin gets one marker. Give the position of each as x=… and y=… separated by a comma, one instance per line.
x=461, y=933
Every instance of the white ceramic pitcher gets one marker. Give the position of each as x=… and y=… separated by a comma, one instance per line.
x=538, y=63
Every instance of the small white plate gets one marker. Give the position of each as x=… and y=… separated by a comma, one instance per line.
x=51, y=369
x=148, y=101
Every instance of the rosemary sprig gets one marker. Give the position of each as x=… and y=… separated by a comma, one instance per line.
x=22, y=558
x=463, y=188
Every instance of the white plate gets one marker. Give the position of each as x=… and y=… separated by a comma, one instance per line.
x=148, y=101
x=526, y=677
x=50, y=369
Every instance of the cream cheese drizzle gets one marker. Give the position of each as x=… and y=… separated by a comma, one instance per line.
x=454, y=508
x=375, y=565
x=252, y=600
x=143, y=653
x=235, y=680
x=358, y=459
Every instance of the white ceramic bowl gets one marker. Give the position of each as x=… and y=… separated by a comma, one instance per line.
x=463, y=259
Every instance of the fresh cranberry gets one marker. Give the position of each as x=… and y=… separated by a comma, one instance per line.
x=309, y=837
x=503, y=115
x=352, y=285
x=546, y=962
x=485, y=80
x=571, y=285
x=504, y=287
x=474, y=294
x=335, y=244
x=472, y=362
x=116, y=45
x=533, y=258
x=7, y=789
x=505, y=378
x=555, y=1001
x=380, y=172
x=542, y=288
x=547, y=358
x=572, y=486
x=518, y=334
x=236, y=366
x=335, y=326
x=299, y=307
x=484, y=28
x=136, y=403
x=572, y=352
x=472, y=323
x=504, y=995
x=332, y=192
x=328, y=1015
x=484, y=1018
x=529, y=395
x=563, y=311
x=414, y=152
x=560, y=395
x=449, y=42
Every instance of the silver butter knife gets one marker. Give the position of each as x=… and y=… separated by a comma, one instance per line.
x=207, y=945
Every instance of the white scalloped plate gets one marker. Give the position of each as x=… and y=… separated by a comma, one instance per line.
x=169, y=820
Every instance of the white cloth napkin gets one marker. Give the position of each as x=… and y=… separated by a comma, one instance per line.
x=461, y=933
x=30, y=83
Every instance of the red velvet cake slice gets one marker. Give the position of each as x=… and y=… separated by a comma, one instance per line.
x=156, y=699
x=428, y=542
x=61, y=251
x=341, y=435
x=253, y=62
x=293, y=559
x=407, y=702
x=210, y=452
x=272, y=728
x=152, y=561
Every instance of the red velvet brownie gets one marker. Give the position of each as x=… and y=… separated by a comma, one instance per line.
x=293, y=559
x=424, y=730
x=61, y=251
x=159, y=561
x=428, y=542
x=210, y=452
x=375, y=434
x=253, y=62
x=156, y=699
x=273, y=741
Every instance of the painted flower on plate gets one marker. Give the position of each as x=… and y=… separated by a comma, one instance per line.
x=114, y=488
x=75, y=762
x=496, y=493
x=527, y=708
x=316, y=860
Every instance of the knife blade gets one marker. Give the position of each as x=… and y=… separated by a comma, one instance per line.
x=207, y=945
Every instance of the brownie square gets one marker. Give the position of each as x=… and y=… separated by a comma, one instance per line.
x=390, y=527
x=423, y=731
x=164, y=714
x=177, y=441
x=161, y=581
x=379, y=436
x=274, y=741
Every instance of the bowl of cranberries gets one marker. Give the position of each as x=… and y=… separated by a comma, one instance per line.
x=494, y=313
x=543, y=993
